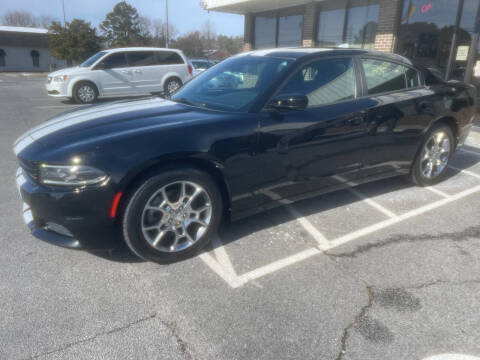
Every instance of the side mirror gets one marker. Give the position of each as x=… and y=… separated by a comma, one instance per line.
x=289, y=102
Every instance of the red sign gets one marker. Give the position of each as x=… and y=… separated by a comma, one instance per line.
x=426, y=8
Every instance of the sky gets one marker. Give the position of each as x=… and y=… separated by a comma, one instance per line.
x=186, y=15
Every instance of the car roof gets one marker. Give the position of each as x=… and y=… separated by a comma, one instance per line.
x=299, y=52
x=141, y=48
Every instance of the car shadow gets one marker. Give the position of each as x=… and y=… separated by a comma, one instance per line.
x=230, y=232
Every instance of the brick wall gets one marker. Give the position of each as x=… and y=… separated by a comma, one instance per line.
x=309, y=25
x=390, y=12
x=248, y=32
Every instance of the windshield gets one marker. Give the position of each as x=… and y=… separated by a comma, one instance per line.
x=234, y=84
x=92, y=59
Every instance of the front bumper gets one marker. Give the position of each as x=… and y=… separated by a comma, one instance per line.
x=77, y=219
x=57, y=88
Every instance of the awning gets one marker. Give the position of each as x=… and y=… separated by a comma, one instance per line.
x=249, y=6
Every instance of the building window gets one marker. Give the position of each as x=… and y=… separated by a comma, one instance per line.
x=290, y=30
x=278, y=29
x=265, y=29
x=426, y=31
x=35, y=58
x=348, y=22
x=330, y=23
x=362, y=23
x=2, y=57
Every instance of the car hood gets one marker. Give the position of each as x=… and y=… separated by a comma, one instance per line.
x=66, y=71
x=107, y=120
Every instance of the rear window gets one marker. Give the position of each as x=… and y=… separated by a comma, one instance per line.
x=383, y=76
x=168, y=58
x=141, y=58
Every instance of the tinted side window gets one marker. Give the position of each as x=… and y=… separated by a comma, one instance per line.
x=168, y=58
x=383, y=76
x=141, y=58
x=413, y=78
x=116, y=60
x=324, y=81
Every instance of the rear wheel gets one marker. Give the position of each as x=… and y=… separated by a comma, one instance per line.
x=171, y=85
x=85, y=93
x=434, y=157
x=172, y=215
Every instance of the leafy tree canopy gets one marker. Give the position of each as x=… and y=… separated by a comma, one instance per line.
x=123, y=27
x=76, y=41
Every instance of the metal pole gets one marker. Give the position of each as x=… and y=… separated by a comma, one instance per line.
x=166, y=10
x=63, y=9
x=453, y=47
x=472, y=57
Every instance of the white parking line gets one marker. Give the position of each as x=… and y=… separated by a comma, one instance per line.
x=468, y=172
x=469, y=151
x=436, y=191
x=364, y=198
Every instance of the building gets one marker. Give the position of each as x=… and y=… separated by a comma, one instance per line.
x=441, y=34
x=26, y=49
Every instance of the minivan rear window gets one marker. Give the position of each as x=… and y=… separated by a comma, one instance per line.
x=168, y=58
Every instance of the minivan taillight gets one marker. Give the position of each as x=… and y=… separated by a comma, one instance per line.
x=190, y=69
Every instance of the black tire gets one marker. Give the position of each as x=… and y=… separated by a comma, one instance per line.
x=82, y=98
x=132, y=216
x=416, y=174
x=171, y=85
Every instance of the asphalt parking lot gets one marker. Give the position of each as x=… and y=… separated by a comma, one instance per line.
x=384, y=271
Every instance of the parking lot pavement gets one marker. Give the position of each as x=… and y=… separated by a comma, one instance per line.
x=384, y=271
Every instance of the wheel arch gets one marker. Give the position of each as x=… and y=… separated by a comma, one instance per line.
x=450, y=121
x=73, y=84
x=212, y=168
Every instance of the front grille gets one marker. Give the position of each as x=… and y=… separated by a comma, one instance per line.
x=29, y=168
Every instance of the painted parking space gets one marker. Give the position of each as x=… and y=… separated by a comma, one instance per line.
x=308, y=228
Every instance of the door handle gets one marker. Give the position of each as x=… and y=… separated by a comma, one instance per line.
x=356, y=120
x=126, y=71
x=138, y=71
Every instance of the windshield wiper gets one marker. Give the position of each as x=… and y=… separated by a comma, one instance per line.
x=185, y=101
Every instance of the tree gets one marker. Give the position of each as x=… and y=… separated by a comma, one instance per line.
x=76, y=41
x=122, y=26
x=158, y=32
x=19, y=18
x=230, y=44
x=208, y=35
x=191, y=44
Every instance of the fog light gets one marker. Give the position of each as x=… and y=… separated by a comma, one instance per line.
x=57, y=228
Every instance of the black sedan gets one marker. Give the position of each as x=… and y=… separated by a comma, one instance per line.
x=258, y=130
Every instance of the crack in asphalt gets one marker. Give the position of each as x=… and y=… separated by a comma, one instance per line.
x=442, y=282
x=171, y=326
x=470, y=232
x=356, y=321
x=112, y=331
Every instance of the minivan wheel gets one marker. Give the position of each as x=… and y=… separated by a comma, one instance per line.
x=434, y=156
x=85, y=93
x=171, y=85
x=172, y=215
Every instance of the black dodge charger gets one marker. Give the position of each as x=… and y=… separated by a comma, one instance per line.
x=253, y=132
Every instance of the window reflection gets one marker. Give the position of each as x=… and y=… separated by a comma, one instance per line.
x=265, y=28
x=290, y=30
x=362, y=23
x=426, y=31
x=330, y=23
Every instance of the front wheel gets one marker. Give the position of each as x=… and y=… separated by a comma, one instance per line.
x=172, y=215
x=434, y=156
x=85, y=93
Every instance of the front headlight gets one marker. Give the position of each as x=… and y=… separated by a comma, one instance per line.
x=60, y=78
x=70, y=175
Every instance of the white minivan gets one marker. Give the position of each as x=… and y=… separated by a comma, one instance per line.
x=122, y=72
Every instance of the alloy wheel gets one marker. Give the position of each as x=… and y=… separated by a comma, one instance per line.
x=86, y=93
x=176, y=216
x=435, y=155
